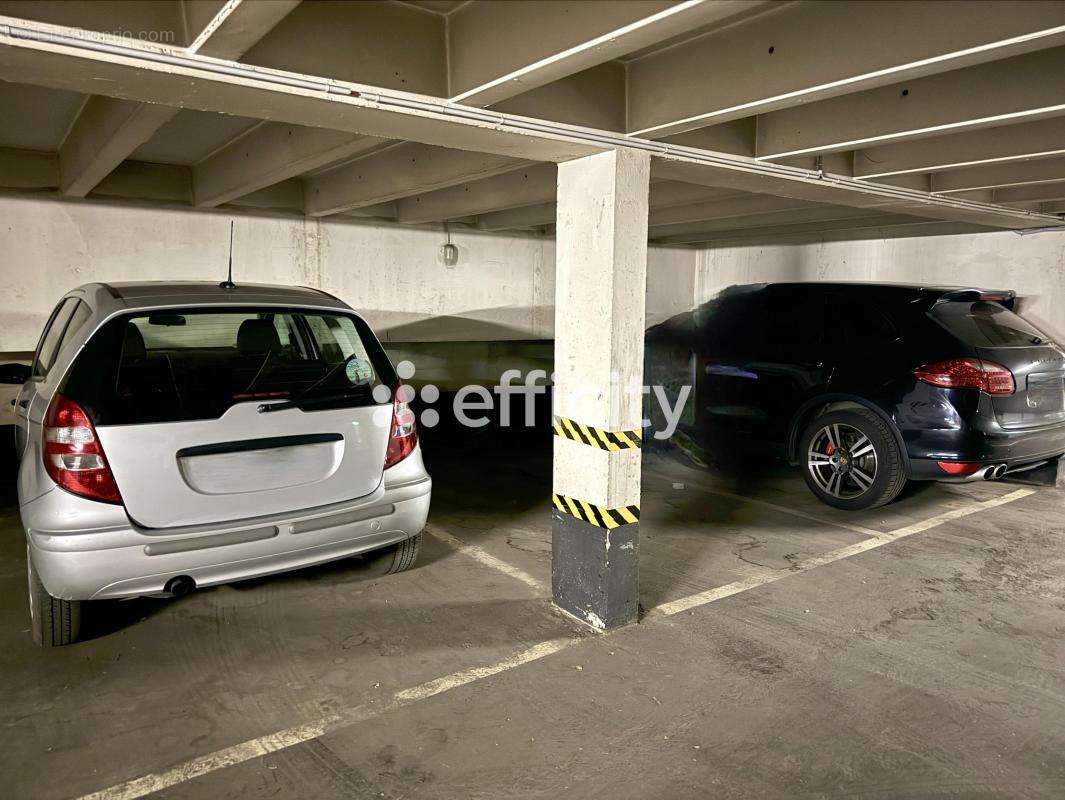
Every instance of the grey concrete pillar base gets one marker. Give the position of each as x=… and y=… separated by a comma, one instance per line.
x=595, y=571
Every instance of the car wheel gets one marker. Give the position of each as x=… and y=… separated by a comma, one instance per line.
x=53, y=622
x=851, y=460
x=396, y=558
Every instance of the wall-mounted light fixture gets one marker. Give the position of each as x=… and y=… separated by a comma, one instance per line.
x=449, y=252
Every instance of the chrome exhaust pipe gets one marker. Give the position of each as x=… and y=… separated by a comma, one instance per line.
x=993, y=473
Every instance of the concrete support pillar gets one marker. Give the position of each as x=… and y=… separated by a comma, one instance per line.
x=600, y=283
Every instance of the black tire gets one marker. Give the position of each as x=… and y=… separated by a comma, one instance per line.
x=53, y=622
x=890, y=476
x=395, y=558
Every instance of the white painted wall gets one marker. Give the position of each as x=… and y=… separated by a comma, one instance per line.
x=502, y=287
x=1032, y=264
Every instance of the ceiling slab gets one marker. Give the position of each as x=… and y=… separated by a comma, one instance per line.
x=483, y=143
x=758, y=231
x=269, y=154
x=191, y=136
x=36, y=118
x=811, y=213
x=532, y=184
x=109, y=130
x=392, y=173
x=984, y=96
x=804, y=52
x=993, y=176
x=1030, y=140
x=505, y=47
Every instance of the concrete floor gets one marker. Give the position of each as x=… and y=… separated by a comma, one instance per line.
x=932, y=666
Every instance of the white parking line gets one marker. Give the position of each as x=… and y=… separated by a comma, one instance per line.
x=877, y=540
x=486, y=558
x=279, y=740
x=859, y=529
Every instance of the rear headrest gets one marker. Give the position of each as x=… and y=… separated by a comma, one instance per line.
x=133, y=344
x=257, y=336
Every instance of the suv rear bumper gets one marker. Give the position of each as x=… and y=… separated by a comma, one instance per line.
x=121, y=560
x=1012, y=448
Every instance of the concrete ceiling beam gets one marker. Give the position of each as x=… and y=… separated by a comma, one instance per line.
x=844, y=191
x=271, y=153
x=731, y=207
x=810, y=213
x=664, y=196
x=252, y=161
x=984, y=96
x=397, y=172
x=65, y=58
x=835, y=233
x=993, y=176
x=235, y=28
x=1041, y=192
x=518, y=218
x=109, y=129
x=876, y=221
x=500, y=49
x=1027, y=140
x=530, y=185
x=805, y=52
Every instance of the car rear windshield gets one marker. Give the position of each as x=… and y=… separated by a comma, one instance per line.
x=185, y=364
x=987, y=324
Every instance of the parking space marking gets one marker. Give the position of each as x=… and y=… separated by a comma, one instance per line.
x=486, y=558
x=859, y=529
x=875, y=541
x=279, y=740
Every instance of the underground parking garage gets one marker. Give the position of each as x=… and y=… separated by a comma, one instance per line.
x=471, y=399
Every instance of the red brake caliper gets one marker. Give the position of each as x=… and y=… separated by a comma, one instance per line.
x=829, y=448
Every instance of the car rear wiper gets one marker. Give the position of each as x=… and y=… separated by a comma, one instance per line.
x=299, y=400
x=303, y=401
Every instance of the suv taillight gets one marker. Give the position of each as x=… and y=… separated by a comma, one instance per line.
x=968, y=373
x=402, y=435
x=73, y=456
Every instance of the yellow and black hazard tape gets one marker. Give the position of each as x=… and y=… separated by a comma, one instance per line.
x=596, y=515
x=597, y=437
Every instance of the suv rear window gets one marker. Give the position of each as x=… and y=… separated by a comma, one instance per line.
x=174, y=365
x=987, y=324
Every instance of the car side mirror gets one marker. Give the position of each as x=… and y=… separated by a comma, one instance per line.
x=16, y=374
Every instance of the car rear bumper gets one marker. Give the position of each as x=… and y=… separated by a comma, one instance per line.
x=1012, y=448
x=121, y=560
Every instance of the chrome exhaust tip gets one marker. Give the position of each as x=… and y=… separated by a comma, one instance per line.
x=994, y=472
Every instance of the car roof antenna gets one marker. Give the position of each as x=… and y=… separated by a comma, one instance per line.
x=228, y=282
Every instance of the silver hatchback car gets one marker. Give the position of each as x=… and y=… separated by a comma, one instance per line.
x=178, y=435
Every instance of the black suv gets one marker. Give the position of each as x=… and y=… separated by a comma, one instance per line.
x=868, y=385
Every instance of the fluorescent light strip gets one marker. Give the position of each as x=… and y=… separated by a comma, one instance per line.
x=960, y=164
x=1007, y=185
x=591, y=44
x=918, y=132
x=213, y=25
x=753, y=106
